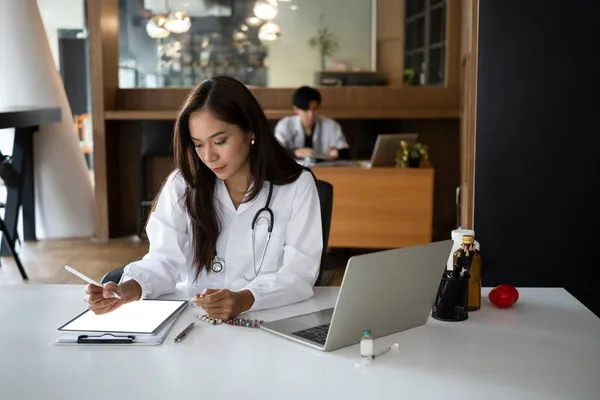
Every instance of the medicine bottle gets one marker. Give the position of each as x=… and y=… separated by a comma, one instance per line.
x=366, y=344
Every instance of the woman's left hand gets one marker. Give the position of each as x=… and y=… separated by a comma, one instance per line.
x=223, y=303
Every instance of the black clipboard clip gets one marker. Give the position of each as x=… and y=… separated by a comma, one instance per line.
x=103, y=339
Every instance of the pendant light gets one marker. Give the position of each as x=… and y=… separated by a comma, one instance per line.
x=155, y=27
x=162, y=25
x=269, y=32
x=265, y=10
x=178, y=22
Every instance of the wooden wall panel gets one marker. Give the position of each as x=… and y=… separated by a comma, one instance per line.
x=389, y=62
x=127, y=177
x=338, y=114
x=453, y=31
x=102, y=21
x=114, y=169
x=390, y=40
x=468, y=103
x=344, y=98
x=390, y=14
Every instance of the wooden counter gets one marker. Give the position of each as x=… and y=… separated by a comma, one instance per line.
x=381, y=207
x=413, y=113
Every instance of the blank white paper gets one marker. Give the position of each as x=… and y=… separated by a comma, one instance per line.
x=142, y=316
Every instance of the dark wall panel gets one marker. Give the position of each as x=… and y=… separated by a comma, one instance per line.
x=537, y=149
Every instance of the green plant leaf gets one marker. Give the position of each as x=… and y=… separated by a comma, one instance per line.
x=325, y=40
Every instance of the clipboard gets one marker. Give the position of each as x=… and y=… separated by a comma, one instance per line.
x=146, y=322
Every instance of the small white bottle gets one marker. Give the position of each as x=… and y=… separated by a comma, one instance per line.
x=366, y=344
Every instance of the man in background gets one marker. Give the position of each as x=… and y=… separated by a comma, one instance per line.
x=307, y=134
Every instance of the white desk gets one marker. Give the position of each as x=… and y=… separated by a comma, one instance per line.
x=548, y=347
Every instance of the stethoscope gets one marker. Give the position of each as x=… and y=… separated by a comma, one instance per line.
x=218, y=264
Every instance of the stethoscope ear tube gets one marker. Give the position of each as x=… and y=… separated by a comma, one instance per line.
x=218, y=264
x=266, y=208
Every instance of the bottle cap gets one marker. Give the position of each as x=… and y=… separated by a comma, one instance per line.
x=367, y=332
x=468, y=239
x=457, y=234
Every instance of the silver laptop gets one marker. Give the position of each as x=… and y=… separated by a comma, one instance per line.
x=385, y=292
x=386, y=147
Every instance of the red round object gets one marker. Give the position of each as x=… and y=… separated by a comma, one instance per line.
x=503, y=296
x=515, y=294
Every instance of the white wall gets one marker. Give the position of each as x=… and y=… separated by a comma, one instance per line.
x=292, y=62
x=60, y=14
x=56, y=14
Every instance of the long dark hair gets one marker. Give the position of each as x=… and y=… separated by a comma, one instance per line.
x=230, y=101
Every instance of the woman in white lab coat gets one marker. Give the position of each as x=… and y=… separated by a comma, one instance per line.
x=200, y=229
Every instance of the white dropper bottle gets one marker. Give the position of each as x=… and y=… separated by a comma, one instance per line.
x=366, y=344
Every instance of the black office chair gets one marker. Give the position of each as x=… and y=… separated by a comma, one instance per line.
x=327, y=268
x=156, y=140
x=11, y=179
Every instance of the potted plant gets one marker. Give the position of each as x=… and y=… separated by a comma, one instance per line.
x=324, y=41
x=413, y=156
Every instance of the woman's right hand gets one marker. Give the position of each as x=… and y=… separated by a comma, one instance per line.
x=101, y=299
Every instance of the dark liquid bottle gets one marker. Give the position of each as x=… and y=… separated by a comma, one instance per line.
x=468, y=250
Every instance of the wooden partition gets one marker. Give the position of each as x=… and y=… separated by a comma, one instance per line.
x=468, y=100
x=103, y=38
x=380, y=207
x=116, y=112
x=343, y=102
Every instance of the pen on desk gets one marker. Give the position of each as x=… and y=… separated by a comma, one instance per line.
x=383, y=351
x=87, y=279
x=184, y=333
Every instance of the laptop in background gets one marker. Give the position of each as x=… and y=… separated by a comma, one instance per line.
x=386, y=147
x=385, y=292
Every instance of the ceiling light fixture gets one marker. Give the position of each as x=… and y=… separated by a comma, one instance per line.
x=178, y=22
x=269, y=32
x=155, y=27
x=161, y=25
x=253, y=21
x=265, y=9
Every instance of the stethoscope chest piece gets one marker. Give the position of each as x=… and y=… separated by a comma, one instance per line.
x=218, y=265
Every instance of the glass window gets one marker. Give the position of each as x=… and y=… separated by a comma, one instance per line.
x=260, y=42
x=425, y=43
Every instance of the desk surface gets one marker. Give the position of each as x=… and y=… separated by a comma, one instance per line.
x=547, y=347
x=18, y=117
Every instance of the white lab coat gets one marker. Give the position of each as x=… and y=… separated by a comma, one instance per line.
x=291, y=263
x=327, y=133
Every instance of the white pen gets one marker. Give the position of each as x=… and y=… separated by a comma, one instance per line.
x=88, y=279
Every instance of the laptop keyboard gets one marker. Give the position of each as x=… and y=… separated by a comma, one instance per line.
x=317, y=334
